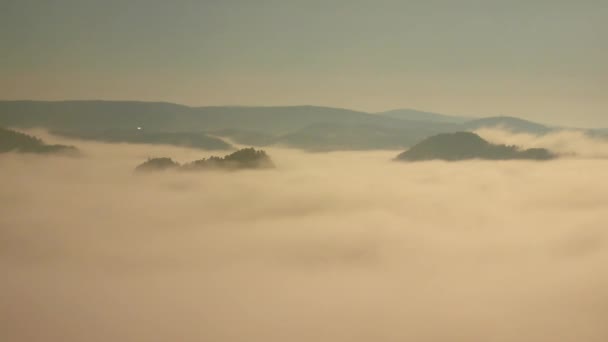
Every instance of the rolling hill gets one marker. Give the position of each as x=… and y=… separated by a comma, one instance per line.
x=13, y=141
x=467, y=145
x=510, y=123
x=416, y=115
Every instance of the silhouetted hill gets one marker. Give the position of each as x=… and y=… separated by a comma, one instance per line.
x=185, y=139
x=157, y=164
x=247, y=158
x=466, y=145
x=416, y=115
x=513, y=124
x=13, y=141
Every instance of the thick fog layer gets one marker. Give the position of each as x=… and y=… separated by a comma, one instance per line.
x=567, y=143
x=346, y=246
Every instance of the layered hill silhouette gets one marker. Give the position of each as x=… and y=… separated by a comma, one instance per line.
x=334, y=136
x=465, y=146
x=247, y=158
x=510, y=123
x=13, y=141
x=168, y=117
x=304, y=127
x=254, y=126
x=417, y=115
x=198, y=140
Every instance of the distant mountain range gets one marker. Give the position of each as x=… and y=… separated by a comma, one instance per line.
x=305, y=127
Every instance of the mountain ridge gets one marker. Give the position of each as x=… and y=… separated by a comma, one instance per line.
x=308, y=127
x=418, y=115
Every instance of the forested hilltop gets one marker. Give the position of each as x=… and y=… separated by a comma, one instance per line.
x=13, y=141
x=247, y=158
x=466, y=145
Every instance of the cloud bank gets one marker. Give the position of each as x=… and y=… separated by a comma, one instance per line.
x=344, y=246
x=567, y=143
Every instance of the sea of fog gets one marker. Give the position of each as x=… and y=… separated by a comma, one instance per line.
x=341, y=246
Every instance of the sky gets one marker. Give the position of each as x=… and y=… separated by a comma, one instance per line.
x=542, y=60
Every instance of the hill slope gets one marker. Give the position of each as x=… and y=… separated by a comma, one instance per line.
x=186, y=139
x=466, y=145
x=335, y=136
x=513, y=124
x=416, y=115
x=13, y=141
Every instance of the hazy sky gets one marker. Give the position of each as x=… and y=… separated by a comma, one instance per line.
x=542, y=60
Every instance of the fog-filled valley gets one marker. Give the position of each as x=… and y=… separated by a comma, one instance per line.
x=338, y=246
x=303, y=171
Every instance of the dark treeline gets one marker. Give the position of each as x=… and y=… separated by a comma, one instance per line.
x=466, y=145
x=138, y=136
x=13, y=141
x=247, y=158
